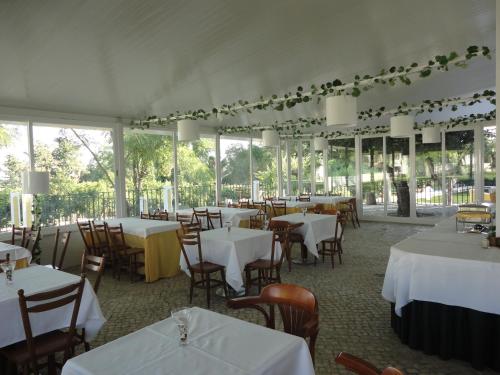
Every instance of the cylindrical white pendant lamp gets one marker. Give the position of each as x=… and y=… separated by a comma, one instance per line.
x=35, y=182
x=320, y=143
x=402, y=126
x=431, y=135
x=270, y=138
x=188, y=130
x=341, y=110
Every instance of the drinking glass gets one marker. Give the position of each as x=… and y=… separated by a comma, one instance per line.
x=304, y=210
x=229, y=224
x=182, y=317
x=8, y=269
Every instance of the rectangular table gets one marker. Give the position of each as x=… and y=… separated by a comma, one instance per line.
x=19, y=253
x=233, y=250
x=158, y=238
x=239, y=217
x=217, y=345
x=443, y=281
x=35, y=279
x=316, y=228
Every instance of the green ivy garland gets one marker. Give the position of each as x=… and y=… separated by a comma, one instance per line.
x=387, y=76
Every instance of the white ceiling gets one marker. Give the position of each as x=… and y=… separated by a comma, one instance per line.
x=130, y=58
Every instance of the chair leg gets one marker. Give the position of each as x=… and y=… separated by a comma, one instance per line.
x=248, y=283
x=259, y=280
x=191, y=289
x=278, y=274
x=208, y=288
x=224, y=284
x=324, y=251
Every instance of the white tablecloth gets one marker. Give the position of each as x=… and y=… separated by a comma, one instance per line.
x=443, y=266
x=16, y=252
x=316, y=228
x=217, y=345
x=235, y=215
x=35, y=279
x=326, y=199
x=295, y=204
x=233, y=250
x=144, y=227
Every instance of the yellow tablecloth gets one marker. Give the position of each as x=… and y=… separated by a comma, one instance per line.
x=21, y=263
x=161, y=254
x=245, y=223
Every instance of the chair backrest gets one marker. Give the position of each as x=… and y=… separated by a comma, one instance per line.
x=145, y=215
x=244, y=202
x=257, y=221
x=201, y=217
x=260, y=205
x=18, y=236
x=304, y=198
x=297, y=306
x=87, y=233
x=278, y=205
x=101, y=238
x=221, y=204
x=115, y=238
x=47, y=301
x=329, y=211
x=341, y=224
x=33, y=239
x=214, y=217
x=190, y=239
x=361, y=367
x=60, y=240
x=184, y=218
x=94, y=264
x=161, y=215
x=190, y=227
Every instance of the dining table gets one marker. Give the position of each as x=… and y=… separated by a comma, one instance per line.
x=158, y=239
x=216, y=345
x=292, y=206
x=37, y=279
x=239, y=217
x=233, y=249
x=443, y=289
x=18, y=253
x=315, y=228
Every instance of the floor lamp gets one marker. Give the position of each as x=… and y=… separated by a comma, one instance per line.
x=36, y=183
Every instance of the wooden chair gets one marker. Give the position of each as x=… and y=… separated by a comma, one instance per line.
x=362, y=367
x=333, y=245
x=262, y=206
x=258, y=221
x=266, y=267
x=124, y=256
x=349, y=208
x=214, y=217
x=201, y=216
x=190, y=228
x=221, y=204
x=279, y=208
x=328, y=211
x=87, y=233
x=32, y=243
x=202, y=268
x=28, y=352
x=244, y=202
x=145, y=215
x=18, y=236
x=183, y=218
x=304, y=198
x=160, y=215
x=298, y=307
x=60, y=240
x=100, y=239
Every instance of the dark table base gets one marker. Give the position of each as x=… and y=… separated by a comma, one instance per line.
x=450, y=332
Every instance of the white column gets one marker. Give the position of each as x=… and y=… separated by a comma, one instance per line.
x=444, y=191
x=218, y=175
x=413, y=179
x=250, y=163
x=313, y=166
x=31, y=146
x=359, y=175
x=497, y=153
x=119, y=164
x=288, y=169
x=325, y=171
x=176, y=172
x=279, y=169
x=478, y=163
x=300, y=167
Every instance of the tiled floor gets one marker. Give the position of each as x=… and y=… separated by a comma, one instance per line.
x=353, y=315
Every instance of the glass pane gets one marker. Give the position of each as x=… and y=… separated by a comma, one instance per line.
x=397, y=161
x=265, y=178
x=284, y=169
x=149, y=172
x=80, y=162
x=341, y=167
x=429, y=194
x=235, y=165
x=196, y=162
x=320, y=172
x=306, y=166
x=490, y=137
x=294, y=177
x=14, y=160
x=372, y=169
x=460, y=167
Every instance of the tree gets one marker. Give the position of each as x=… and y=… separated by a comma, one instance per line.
x=12, y=169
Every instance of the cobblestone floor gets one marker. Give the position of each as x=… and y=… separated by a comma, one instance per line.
x=353, y=315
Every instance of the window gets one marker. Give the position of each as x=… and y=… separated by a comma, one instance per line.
x=265, y=178
x=428, y=172
x=341, y=167
x=235, y=168
x=398, y=174
x=489, y=164
x=459, y=166
x=372, y=175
